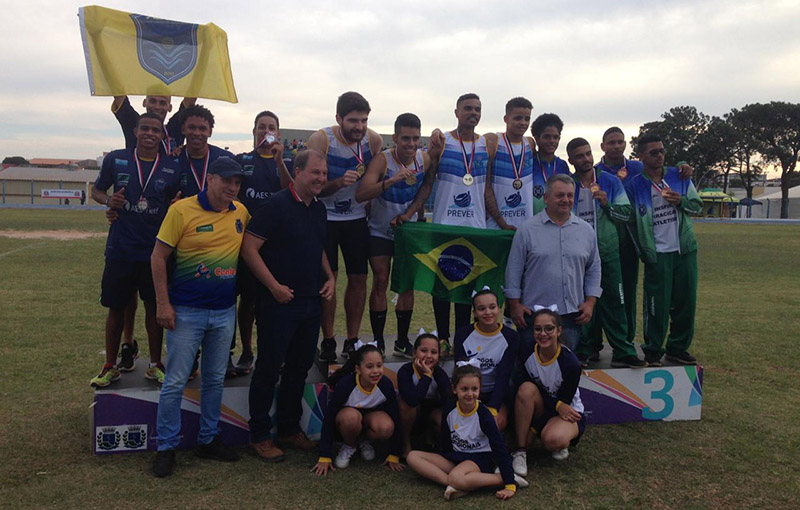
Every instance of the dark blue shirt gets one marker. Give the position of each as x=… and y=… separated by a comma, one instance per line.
x=294, y=239
x=133, y=235
x=260, y=181
x=193, y=180
x=128, y=117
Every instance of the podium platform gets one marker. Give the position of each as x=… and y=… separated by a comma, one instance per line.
x=123, y=415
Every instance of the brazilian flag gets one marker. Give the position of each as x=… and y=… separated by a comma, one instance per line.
x=450, y=262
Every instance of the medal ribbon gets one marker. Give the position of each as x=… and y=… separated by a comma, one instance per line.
x=359, y=155
x=660, y=188
x=166, y=142
x=142, y=182
x=517, y=169
x=467, y=166
x=544, y=168
x=201, y=182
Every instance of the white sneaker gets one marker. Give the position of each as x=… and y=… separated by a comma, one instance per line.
x=519, y=461
x=342, y=459
x=561, y=454
x=521, y=482
x=451, y=493
x=367, y=451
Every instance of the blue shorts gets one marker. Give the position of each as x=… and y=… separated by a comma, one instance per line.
x=538, y=424
x=484, y=460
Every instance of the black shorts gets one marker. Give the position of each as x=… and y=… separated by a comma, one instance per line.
x=121, y=279
x=246, y=282
x=353, y=237
x=380, y=247
x=538, y=424
x=484, y=460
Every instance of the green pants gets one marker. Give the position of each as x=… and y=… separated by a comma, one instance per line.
x=609, y=316
x=629, y=262
x=670, y=299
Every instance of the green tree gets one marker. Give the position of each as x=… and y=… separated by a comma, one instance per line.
x=776, y=127
x=15, y=160
x=744, y=148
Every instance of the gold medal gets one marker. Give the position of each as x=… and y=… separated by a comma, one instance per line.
x=468, y=180
x=622, y=173
x=594, y=187
x=665, y=192
x=412, y=180
x=361, y=169
x=517, y=183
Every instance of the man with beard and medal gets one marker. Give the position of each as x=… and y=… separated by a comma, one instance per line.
x=546, y=130
x=144, y=183
x=509, y=199
x=393, y=180
x=601, y=201
x=460, y=193
x=348, y=147
x=265, y=173
x=614, y=162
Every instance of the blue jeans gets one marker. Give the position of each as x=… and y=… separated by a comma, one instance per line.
x=570, y=333
x=287, y=337
x=194, y=328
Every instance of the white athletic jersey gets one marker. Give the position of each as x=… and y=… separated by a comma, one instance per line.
x=665, y=223
x=433, y=389
x=515, y=205
x=342, y=205
x=455, y=202
x=361, y=399
x=549, y=376
x=585, y=209
x=466, y=434
x=397, y=197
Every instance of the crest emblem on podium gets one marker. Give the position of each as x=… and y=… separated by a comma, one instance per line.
x=166, y=49
x=108, y=438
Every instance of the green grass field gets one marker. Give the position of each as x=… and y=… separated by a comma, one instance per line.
x=744, y=453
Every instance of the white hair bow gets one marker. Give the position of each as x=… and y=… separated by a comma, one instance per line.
x=361, y=344
x=474, y=362
x=485, y=287
x=422, y=331
x=552, y=308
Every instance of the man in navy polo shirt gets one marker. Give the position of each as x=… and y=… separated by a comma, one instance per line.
x=144, y=182
x=265, y=173
x=284, y=247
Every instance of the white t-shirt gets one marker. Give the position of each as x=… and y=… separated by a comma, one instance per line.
x=665, y=224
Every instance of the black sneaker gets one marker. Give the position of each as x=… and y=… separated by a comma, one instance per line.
x=327, y=350
x=404, y=349
x=163, y=464
x=349, y=347
x=128, y=355
x=683, y=357
x=230, y=372
x=583, y=360
x=216, y=450
x=652, y=359
x=382, y=347
x=629, y=362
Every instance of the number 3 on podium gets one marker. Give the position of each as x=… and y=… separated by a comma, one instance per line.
x=662, y=395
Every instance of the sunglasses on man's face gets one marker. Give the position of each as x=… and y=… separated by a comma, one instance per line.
x=547, y=329
x=656, y=152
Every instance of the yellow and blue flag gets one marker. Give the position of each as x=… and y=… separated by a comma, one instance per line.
x=133, y=54
x=450, y=262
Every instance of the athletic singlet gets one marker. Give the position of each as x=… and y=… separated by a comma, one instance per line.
x=455, y=202
x=515, y=205
x=342, y=205
x=397, y=197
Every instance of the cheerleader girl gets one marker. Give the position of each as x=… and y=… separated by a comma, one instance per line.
x=363, y=408
x=548, y=400
x=495, y=347
x=424, y=388
x=472, y=446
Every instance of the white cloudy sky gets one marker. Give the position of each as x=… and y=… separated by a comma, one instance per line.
x=594, y=63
